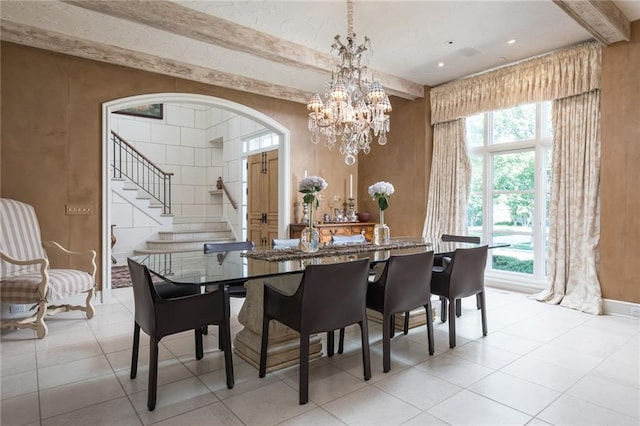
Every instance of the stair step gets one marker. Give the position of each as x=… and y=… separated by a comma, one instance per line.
x=193, y=235
x=213, y=225
x=189, y=245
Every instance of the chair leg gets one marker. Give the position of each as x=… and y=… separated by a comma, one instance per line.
x=304, y=368
x=443, y=309
x=387, y=326
x=483, y=311
x=41, y=327
x=478, y=301
x=134, y=352
x=406, y=323
x=366, y=356
x=199, y=349
x=392, y=321
x=452, y=324
x=90, y=310
x=429, y=327
x=228, y=355
x=263, y=347
x=341, y=342
x=330, y=343
x=458, y=308
x=153, y=374
x=221, y=343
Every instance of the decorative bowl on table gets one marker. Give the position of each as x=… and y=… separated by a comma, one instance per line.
x=364, y=217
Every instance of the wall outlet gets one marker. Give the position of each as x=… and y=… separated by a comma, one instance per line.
x=14, y=309
x=73, y=210
x=635, y=312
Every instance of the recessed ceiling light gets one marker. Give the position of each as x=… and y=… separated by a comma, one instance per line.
x=441, y=64
x=502, y=59
x=450, y=42
x=513, y=40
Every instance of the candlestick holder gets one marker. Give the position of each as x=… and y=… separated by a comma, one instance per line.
x=305, y=213
x=351, y=215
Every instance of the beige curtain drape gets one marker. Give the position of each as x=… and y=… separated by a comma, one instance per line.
x=571, y=77
x=574, y=229
x=557, y=75
x=450, y=181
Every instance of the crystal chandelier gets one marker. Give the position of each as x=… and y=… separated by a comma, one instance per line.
x=353, y=107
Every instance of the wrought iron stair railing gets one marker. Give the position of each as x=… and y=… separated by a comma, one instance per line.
x=128, y=162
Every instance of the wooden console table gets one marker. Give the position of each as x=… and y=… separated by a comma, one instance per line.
x=326, y=230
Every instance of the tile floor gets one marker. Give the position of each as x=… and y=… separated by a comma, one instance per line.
x=540, y=364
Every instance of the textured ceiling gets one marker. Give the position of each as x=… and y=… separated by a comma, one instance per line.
x=409, y=38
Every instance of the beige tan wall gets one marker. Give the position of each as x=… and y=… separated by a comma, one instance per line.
x=50, y=148
x=51, y=134
x=620, y=178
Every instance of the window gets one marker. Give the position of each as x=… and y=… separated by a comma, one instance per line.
x=510, y=153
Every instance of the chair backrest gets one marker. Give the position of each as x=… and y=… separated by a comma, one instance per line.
x=407, y=281
x=19, y=237
x=144, y=296
x=348, y=239
x=333, y=296
x=467, y=271
x=222, y=247
x=461, y=238
x=291, y=242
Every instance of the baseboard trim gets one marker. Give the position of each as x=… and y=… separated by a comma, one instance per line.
x=621, y=308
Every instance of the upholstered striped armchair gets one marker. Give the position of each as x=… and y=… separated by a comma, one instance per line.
x=25, y=276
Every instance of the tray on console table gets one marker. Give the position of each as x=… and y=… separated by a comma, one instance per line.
x=326, y=230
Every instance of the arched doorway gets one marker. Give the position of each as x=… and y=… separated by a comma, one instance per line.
x=190, y=99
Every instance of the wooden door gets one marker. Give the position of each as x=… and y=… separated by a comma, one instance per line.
x=262, y=197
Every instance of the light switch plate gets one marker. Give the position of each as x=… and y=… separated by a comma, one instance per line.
x=77, y=209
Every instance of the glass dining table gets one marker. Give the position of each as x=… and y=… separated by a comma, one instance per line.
x=282, y=268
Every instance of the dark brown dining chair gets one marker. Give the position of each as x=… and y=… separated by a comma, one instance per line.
x=330, y=297
x=462, y=277
x=159, y=317
x=442, y=261
x=405, y=284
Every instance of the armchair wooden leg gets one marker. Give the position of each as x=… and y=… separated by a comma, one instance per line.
x=89, y=303
x=153, y=374
x=406, y=323
x=458, y=308
x=134, y=352
x=263, y=347
x=41, y=327
x=304, y=368
x=478, y=301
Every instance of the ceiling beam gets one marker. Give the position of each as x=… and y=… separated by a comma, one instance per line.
x=172, y=17
x=63, y=43
x=601, y=18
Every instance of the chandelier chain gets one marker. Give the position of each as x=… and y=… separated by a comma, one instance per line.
x=349, y=18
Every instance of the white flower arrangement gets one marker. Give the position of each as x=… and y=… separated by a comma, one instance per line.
x=309, y=186
x=380, y=192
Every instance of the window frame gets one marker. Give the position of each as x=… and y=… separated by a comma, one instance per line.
x=542, y=142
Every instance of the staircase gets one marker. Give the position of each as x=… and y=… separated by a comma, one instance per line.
x=189, y=236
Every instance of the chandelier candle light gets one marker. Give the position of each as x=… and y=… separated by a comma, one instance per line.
x=380, y=192
x=354, y=107
x=310, y=186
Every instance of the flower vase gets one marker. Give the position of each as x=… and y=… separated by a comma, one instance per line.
x=310, y=237
x=381, y=232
